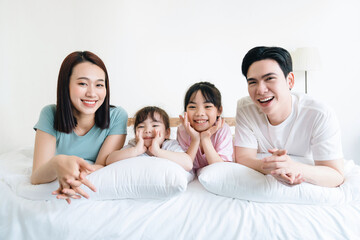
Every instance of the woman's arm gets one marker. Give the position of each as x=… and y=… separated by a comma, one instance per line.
x=111, y=144
x=44, y=161
x=47, y=167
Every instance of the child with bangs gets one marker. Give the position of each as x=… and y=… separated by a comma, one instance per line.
x=152, y=132
x=204, y=134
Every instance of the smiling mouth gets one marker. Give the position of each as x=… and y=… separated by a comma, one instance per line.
x=88, y=102
x=200, y=121
x=266, y=100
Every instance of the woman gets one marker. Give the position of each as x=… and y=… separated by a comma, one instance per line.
x=81, y=126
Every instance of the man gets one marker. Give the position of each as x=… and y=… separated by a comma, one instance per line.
x=289, y=126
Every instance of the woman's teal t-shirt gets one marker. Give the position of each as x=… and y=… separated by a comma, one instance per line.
x=87, y=146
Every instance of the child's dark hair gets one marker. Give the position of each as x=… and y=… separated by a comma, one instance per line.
x=208, y=90
x=145, y=112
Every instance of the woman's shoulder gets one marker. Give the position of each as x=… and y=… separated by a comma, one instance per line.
x=48, y=110
x=118, y=112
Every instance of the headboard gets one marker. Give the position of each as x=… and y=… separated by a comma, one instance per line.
x=174, y=122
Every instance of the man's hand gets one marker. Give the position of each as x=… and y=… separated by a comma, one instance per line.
x=282, y=167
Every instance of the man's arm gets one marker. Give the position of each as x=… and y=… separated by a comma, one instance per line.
x=247, y=157
x=325, y=173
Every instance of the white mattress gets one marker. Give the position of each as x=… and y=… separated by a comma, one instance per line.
x=195, y=214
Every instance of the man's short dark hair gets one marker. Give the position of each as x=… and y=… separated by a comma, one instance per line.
x=278, y=54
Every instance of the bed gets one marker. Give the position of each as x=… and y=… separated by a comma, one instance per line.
x=194, y=213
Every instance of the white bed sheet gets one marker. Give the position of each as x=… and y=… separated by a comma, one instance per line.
x=195, y=214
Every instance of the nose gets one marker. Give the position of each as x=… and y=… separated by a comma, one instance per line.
x=199, y=111
x=90, y=91
x=261, y=88
x=147, y=130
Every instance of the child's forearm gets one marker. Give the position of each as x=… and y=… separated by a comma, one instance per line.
x=193, y=149
x=122, y=154
x=211, y=154
x=180, y=158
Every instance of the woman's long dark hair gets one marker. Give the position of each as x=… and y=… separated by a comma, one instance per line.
x=64, y=118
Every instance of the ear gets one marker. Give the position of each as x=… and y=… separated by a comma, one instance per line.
x=167, y=133
x=290, y=80
x=220, y=110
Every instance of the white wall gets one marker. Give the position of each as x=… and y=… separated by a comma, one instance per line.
x=155, y=50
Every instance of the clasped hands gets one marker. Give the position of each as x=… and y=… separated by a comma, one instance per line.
x=282, y=167
x=71, y=172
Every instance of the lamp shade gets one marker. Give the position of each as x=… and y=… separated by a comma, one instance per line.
x=305, y=59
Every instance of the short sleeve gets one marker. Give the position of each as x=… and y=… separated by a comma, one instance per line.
x=46, y=120
x=224, y=143
x=244, y=136
x=172, y=145
x=326, y=138
x=118, y=121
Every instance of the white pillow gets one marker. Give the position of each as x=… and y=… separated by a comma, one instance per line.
x=138, y=177
x=238, y=181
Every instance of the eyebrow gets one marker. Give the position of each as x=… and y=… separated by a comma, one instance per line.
x=85, y=78
x=206, y=101
x=263, y=76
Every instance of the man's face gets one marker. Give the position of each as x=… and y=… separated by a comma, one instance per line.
x=269, y=89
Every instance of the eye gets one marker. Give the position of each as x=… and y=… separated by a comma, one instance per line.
x=251, y=82
x=156, y=125
x=209, y=106
x=82, y=84
x=100, y=85
x=269, y=78
x=140, y=126
x=191, y=107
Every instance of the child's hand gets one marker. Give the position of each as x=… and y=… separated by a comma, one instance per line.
x=156, y=143
x=141, y=148
x=195, y=135
x=208, y=133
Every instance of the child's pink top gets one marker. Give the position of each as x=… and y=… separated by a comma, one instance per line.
x=221, y=140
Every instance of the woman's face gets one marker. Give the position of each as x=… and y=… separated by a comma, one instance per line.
x=87, y=88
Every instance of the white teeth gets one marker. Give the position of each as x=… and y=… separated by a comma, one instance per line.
x=89, y=102
x=200, y=121
x=266, y=99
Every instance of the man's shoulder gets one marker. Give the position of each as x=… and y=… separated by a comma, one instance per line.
x=308, y=103
x=245, y=102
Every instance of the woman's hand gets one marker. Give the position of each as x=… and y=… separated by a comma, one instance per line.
x=71, y=173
